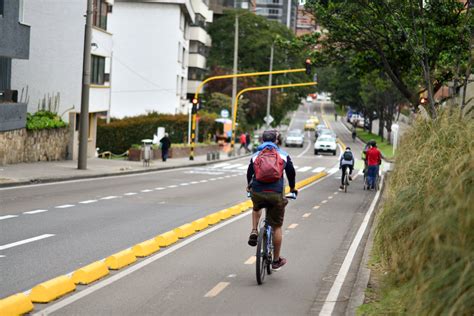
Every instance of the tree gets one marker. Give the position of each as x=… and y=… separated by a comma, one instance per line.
x=416, y=43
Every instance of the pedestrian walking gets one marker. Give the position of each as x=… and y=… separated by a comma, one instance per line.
x=165, y=144
x=335, y=116
x=247, y=142
x=243, y=141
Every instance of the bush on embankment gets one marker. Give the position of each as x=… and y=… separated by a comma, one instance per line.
x=121, y=134
x=425, y=234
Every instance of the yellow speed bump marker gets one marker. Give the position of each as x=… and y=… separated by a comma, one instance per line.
x=224, y=214
x=146, y=248
x=17, y=304
x=120, y=259
x=212, y=219
x=184, y=230
x=200, y=224
x=52, y=289
x=167, y=238
x=234, y=210
x=90, y=273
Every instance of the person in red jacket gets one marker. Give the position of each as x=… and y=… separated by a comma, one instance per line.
x=374, y=159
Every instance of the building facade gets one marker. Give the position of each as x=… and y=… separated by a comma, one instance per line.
x=53, y=73
x=151, y=56
x=283, y=11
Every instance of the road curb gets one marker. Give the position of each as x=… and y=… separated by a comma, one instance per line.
x=119, y=173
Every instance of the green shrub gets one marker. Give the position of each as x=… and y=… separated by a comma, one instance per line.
x=121, y=134
x=425, y=236
x=43, y=120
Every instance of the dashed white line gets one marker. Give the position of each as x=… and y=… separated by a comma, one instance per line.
x=330, y=197
x=159, y=188
x=316, y=207
x=307, y=215
x=130, y=193
x=109, y=197
x=217, y=289
x=324, y=202
x=35, y=212
x=318, y=169
x=65, y=206
x=25, y=241
x=242, y=168
x=203, y=181
x=184, y=184
x=232, y=275
x=7, y=217
x=194, y=182
x=233, y=166
x=212, y=179
x=146, y=191
x=220, y=178
x=293, y=226
x=251, y=260
x=172, y=186
x=219, y=165
x=88, y=201
x=304, y=169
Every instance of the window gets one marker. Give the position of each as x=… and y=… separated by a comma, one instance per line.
x=97, y=70
x=196, y=74
x=99, y=17
x=196, y=47
x=199, y=21
x=1, y=7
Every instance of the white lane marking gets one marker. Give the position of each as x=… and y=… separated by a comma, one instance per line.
x=333, y=170
x=220, y=178
x=324, y=202
x=172, y=186
x=336, y=193
x=316, y=207
x=35, y=212
x=184, y=184
x=1, y=256
x=194, y=182
x=232, y=275
x=307, y=215
x=243, y=168
x=233, y=166
x=304, y=169
x=203, y=181
x=212, y=179
x=146, y=190
x=7, y=217
x=306, y=149
x=333, y=294
x=109, y=197
x=219, y=165
x=159, y=188
x=293, y=226
x=88, y=201
x=25, y=241
x=217, y=289
x=227, y=176
x=318, y=169
x=330, y=197
x=251, y=260
x=64, y=206
x=130, y=193
x=101, y=284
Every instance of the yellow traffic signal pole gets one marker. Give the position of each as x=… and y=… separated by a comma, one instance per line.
x=236, y=101
x=199, y=88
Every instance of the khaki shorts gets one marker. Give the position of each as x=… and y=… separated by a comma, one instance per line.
x=274, y=203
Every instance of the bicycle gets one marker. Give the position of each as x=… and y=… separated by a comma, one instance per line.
x=346, y=179
x=264, y=254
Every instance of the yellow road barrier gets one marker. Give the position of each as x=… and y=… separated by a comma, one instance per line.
x=184, y=230
x=146, y=248
x=167, y=238
x=235, y=210
x=17, y=304
x=90, y=273
x=120, y=259
x=224, y=214
x=213, y=219
x=52, y=289
x=200, y=224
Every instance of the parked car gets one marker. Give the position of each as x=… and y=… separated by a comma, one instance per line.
x=325, y=143
x=309, y=125
x=294, y=138
x=315, y=119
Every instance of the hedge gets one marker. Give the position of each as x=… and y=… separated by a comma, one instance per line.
x=121, y=134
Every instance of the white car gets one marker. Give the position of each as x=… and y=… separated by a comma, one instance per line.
x=294, y=138
x=325, y=143
x=357, y=119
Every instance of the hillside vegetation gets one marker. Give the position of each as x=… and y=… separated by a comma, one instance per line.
x=425, y=235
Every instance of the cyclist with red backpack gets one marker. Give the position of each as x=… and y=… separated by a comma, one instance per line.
x=265, y=182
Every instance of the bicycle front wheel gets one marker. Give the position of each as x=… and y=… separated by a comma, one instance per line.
x=261, y=255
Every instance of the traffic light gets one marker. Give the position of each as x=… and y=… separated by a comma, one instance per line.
x=423, y=100
x=307, y=65
x=195, y=106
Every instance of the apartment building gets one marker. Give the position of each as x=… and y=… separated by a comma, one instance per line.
x=53, y=73
x=151, y=55
x=283, y=11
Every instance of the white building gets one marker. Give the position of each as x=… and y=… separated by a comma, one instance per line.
x=199, y=45
x=53, y=73
x=151, y=54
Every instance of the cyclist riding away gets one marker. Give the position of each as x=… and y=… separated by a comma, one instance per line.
x=347, y=161
x=265, y=182
x=374, y=159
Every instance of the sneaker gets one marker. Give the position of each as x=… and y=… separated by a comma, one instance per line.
x=276, y=265
x=341, y=187
x=253, y=238
x=350, y=178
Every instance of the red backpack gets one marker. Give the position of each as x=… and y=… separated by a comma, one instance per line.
x=268, y=166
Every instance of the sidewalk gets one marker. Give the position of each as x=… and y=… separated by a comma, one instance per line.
x=40, y=172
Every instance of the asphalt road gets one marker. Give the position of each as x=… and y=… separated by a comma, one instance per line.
x=50, y=230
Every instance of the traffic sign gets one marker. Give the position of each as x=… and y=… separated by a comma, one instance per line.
x=268, y=119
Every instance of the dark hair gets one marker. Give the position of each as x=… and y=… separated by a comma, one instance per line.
x=348, y=148
x=270, y=136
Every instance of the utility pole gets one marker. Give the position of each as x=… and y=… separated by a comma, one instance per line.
x=86, y=80
x=234, y=80
x=269, y=95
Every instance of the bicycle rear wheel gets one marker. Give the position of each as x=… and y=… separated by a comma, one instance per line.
x=261, y=262
x=346, y=182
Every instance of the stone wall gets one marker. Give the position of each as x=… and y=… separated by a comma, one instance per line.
x=30, y=146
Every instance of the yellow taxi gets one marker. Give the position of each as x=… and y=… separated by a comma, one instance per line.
x=309, y=125
x=314, y=119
